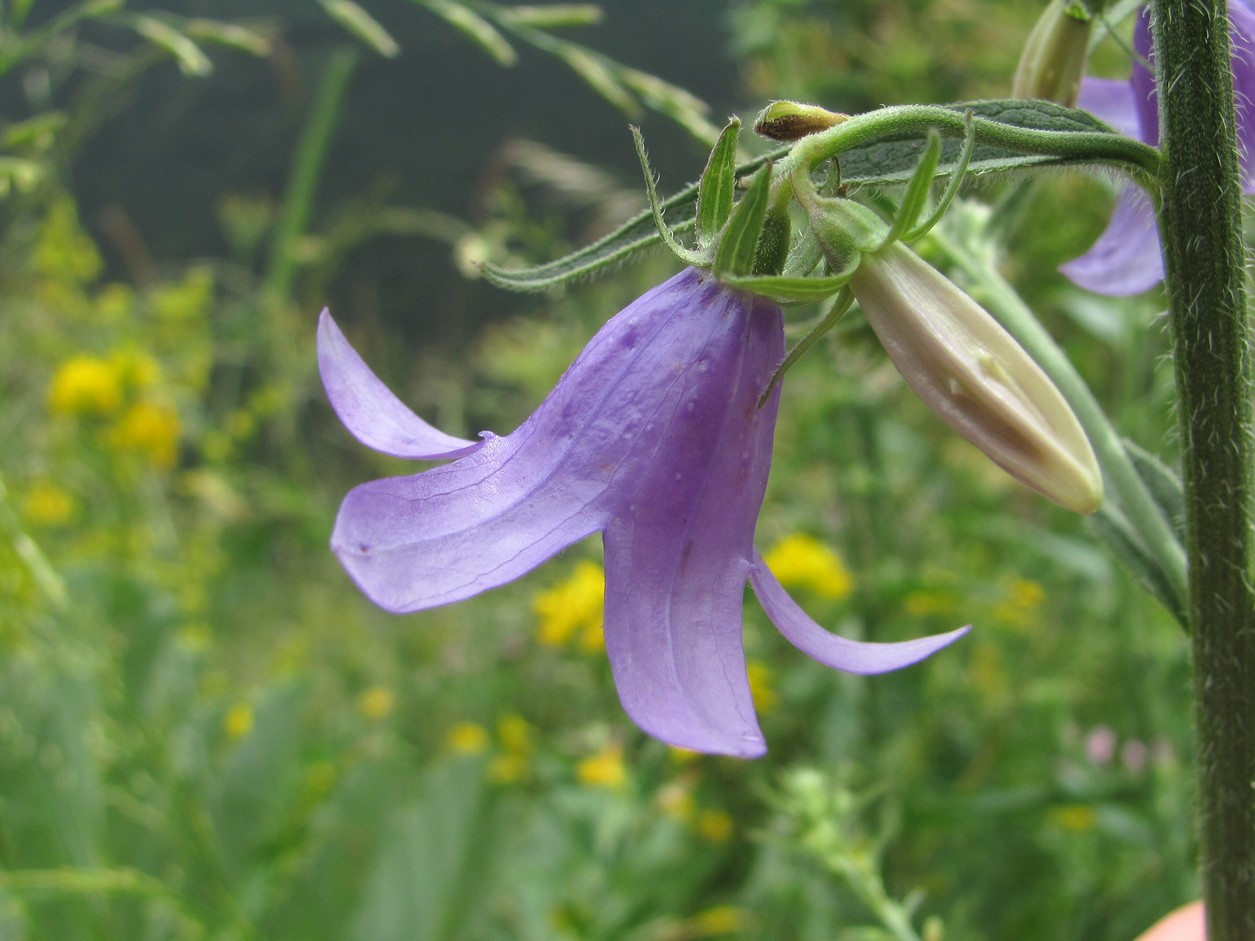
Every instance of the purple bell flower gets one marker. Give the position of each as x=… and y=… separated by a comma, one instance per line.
x=1126, y=259
x=653, y=437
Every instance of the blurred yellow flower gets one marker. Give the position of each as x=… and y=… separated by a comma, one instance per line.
x=238, y=721
x=1079, y=818
x=514, y=732
x=376, y=702
x=466, y=738
x=150, y=430
x=85, y=385
x=604, y=769
x=47, y=504
x=572, y=610
x=722, y=919
x=930, y=601
x=676, y=801
x=714, y=825
x=762, y=686
x=802, y=561
x=135, y=369
x=515, y=735
x=1021, y=604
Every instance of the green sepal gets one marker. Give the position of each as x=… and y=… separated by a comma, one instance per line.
x=915, y=199
x=715, y=190
x=951, y=190
x=686, y=255
x=842, y=303
x=789, y=290
x=739, y=239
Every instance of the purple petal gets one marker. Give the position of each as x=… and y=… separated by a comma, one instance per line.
x=1145, y=97
x=1111, y=101
x=1242, y=35
x=375, y=416
x=678, y=549
x=1126, y=258
x=852, y=656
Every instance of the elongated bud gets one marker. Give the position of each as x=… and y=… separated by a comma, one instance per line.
x=973, y=374
x=1053, y=61
x=793, y=120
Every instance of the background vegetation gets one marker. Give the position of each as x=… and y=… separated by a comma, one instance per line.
x=206, y=732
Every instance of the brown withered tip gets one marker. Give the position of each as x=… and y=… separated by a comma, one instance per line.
x=793, y=120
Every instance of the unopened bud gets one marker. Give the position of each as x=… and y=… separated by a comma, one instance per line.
x=974, y=375
x=1053, y=61
x=792, y=120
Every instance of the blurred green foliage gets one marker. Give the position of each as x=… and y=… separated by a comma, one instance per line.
x=205, y=732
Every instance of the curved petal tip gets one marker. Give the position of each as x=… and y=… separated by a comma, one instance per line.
x=375, y=416
x=850, y=656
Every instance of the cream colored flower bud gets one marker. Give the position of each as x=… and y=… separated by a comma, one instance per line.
x=1053, y=61
x=974, y=375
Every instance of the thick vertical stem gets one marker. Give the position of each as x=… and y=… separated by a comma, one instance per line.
x=1203, y=253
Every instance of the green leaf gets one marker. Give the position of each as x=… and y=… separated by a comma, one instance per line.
x=893, y=160
x=554, y=15
x=714, y=192
x=474, y=27
x=735, y=254
x=1163, y=484
x=160, y=33
x=362, y=25
x=1124, y=542
x=232, y=35
x=599, y=73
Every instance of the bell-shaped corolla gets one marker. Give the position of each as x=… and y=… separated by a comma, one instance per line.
x=654, y=437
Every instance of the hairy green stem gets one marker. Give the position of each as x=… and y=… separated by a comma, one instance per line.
x=1130, y=155
x=1204, y=260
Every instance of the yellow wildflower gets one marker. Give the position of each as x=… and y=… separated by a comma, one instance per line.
x=515, y=735
x=930, y=602
x=604, y=769
x=802, y=561
x=676, y=801
x=722, y=919
x=150, y=430
x=762, y=686
x=1079, y=818
x=135, y=369
x=238, y=721
x=466, y=738
x=573, y=609
x=85, y=385
x=376, y=702
x=1021, y=604
x=714, y=825
x=47, y=504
